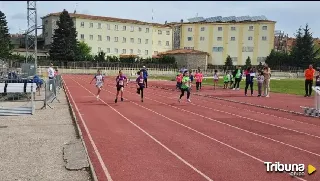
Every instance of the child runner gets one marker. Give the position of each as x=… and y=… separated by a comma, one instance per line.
x=226, y=80
x=120, y=85
x=260, y=80
x=179, y=79
x=249, y=81
x=201, y=78
x=99, y=82
x=197, y=76
x=186, y=83
x=140, y=84
x=215, y=79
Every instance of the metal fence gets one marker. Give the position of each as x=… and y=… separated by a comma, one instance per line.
x=17, y=97
x=52, y=88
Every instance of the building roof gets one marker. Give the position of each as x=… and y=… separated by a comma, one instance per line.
x=110, y=19
x=220, y=19
x=182, y=51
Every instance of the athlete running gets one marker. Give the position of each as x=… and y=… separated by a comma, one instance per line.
x=140, y=84
x=120, y=85
x=99, y=82
x=186, y=84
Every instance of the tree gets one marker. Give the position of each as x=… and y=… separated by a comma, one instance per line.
x=248, y=62
x=83, y=52
x=303, y=52
x=228, y=63
x=101, y=57
x=64, y=45
x=5, y=43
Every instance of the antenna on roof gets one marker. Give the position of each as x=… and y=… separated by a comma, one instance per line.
x=152, y=16
x=75, y=9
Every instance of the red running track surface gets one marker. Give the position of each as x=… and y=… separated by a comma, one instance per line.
x=163, y=140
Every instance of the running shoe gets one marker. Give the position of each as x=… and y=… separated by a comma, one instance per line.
x=121, y=99
x=141, y=100
x=179, y=100
x=116, y=100
x=97, y=97
x=188, y=100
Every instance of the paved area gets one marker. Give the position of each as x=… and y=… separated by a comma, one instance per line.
x=40, y=147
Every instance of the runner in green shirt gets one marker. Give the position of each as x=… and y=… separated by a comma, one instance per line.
x=186, y=84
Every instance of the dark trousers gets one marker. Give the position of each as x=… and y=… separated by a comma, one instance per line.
x=308, y=87
x=198, y=85
x=236, y=82
x=247, y=86
x=140, y=91
x=182, y=93
x=146, y=82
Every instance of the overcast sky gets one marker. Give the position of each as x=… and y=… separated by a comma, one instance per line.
x=289, y=15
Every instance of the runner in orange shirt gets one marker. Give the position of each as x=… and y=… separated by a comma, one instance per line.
x=308, y=74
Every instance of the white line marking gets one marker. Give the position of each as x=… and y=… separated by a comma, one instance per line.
x=255, y=120
x=154, y=139
x=104, y=167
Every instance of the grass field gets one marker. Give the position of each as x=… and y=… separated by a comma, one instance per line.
x=287, y=86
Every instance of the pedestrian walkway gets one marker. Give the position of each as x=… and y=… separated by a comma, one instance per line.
x=37, y=147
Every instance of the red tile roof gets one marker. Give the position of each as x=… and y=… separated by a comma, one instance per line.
x=110, y=19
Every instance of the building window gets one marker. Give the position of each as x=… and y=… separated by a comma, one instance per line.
x=132, y=40
x=131, y=51
x=233, y=39
x=250, y=28
x=146, y=52
x=82, y=24
x=190, y=29
x=189, y=48
x=99, y=38
x=140, y=29
x=264, y=38
x=202, y=29
x=233, y=28
x=99, y=49
x=147, y=30
x=250, y=38
x=167, y=43
x=124, y=40
x=147, y=41
x=159, y=42
x=139, y=40
x=116, y=39
x=91, y=37
x=167, y=32
x=247, y=49
x=159, y=32
x=217, y=49
x=108, y=50
x=139, y=51
x=219, y=28
x=99, y=25
x=116, y=27
x=108, y=38
x=201, y=38
x=116, y=50
x=82, y=36
x=131, y=28
x=219, y=38
x=124, y=51
x=124, y=28
x=91, y=25
x=189, y=38
x=108, y=27
x=264, y=27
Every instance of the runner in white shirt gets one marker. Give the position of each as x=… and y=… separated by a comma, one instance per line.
x=50, y=72
x=99, y=82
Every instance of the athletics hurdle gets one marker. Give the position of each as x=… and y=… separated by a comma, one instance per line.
x=314, y=112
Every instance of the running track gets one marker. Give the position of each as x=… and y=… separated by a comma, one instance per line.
x=163, y=140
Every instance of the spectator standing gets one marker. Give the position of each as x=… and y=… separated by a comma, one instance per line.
x=318, y=78
x=50, y=72
x=145, y=75
x=308, y=74
x=237, y=74
x=249, y=81
x=266, y=83
x=260, y=80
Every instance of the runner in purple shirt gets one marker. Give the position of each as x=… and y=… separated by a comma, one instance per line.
x=120, y=85
x=140, y=84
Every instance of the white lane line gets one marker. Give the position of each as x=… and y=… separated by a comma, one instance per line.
x=255, y=120
x=103, y=165
x=154, y=139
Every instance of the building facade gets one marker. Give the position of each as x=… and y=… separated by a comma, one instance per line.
x=115, y=36
x=239, y=37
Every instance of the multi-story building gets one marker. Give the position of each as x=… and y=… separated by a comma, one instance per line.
x=115, y=36
x=239, y=37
